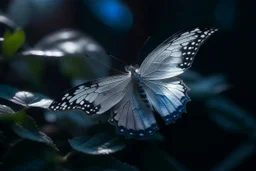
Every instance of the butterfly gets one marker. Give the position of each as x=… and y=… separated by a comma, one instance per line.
x=135, y=96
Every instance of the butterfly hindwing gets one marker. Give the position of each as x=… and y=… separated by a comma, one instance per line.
x=175, y=55
x=133, y=116
x=93, y=97
x=168, y=97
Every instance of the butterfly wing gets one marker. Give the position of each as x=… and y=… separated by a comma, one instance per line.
x=93, y=97
x=133, y=115
x=168, y=97
x=175, y=55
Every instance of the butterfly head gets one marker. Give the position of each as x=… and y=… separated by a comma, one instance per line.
x=133, y=70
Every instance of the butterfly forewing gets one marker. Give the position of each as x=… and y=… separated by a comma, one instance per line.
x=175, y=55
x=93, y=97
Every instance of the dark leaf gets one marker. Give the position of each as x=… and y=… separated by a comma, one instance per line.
x=2, y=137
x=157, y=137
x=32, y=165
x=7, y=115
x=6, y=24
x=120, y=166
x=237, y=156
x=157, y=159
x=99, y=163
x=230, y=116
x=28, y=68
x=24, y=98
x=76, y=67
x=5, y=110
x=29, y=155
x=190, y=76
x=99, y=143
x=7, y=92
x=208, y=86
x=81, y=53
x=24, y=126
x=78, y=120
x=27, y=12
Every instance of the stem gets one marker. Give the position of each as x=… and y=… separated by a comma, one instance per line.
x=69, y=154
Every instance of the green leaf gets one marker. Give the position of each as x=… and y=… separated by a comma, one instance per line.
x=12, y=42
x=157, y=159
x=230, y=116
x=100, y=143
x=24, y=98
x=24, y=126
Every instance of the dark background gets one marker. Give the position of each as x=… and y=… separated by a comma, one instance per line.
x=195, y=141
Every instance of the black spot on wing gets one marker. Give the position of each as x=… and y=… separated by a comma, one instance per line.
x=189, y=49
x=69, y=99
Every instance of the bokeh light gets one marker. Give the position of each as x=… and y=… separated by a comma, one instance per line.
x=113, y=13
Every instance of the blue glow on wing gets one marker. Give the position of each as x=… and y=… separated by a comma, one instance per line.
x=112, y=13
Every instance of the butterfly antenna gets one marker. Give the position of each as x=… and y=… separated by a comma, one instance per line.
x=118, y=59
x=104, y=64
x=138, y=55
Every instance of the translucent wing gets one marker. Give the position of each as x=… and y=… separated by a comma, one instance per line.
x=168, y=97
x=94, y=97
x=175, y=55
x=133, y=115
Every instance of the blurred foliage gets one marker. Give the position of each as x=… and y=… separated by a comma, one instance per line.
x=12, y=42
x=24, y=98
x=112, y=13
x=72, y=140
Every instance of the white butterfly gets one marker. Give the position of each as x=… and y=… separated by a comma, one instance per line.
x=132, y=97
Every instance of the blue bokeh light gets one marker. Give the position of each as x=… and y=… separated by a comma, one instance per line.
x=112, y=13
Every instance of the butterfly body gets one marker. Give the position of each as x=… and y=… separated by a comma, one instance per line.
x=133, y=97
